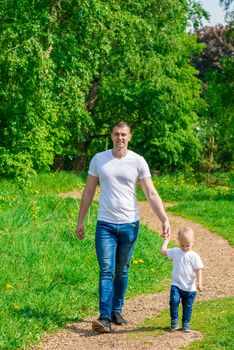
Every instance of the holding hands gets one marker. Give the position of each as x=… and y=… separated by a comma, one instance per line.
x=166, y=230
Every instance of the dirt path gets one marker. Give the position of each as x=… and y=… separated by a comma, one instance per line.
x=218, y=258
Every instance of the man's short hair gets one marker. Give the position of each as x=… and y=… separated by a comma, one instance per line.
x=121, y=124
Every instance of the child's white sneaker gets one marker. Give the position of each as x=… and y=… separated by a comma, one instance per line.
x=186, y=329
x=174, y=328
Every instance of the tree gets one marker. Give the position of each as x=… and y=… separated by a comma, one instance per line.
x=217, y=47
x=149, y=81
x=69, y=69
x=226, y=3
x=217, y=72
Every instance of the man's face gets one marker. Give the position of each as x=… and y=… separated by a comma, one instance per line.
x=120, y=137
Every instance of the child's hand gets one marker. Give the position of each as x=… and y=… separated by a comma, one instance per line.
x=199, y=287
x=166, y=237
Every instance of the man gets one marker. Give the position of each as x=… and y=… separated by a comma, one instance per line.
x=118, y=171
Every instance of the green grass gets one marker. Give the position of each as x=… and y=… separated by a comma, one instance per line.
x=217, y=216
x=209, y=203
x=45, y=183
x=149, y=271
x=48, y=277
x=214, y=319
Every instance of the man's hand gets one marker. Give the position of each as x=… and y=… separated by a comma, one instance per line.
x=199, y=287
x=166, y=230
x=80, y=231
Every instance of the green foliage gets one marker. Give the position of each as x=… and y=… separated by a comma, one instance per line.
x=40, y=97
x=154, y=86
x=70, y=69
x=226, y=3
x=216, y=122
x=220, y=118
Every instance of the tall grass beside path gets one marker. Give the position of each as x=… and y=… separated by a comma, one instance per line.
x=48, y=277
x=210, y=203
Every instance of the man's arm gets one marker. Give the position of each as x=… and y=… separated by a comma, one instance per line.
x=85, y=202
x=156, y=204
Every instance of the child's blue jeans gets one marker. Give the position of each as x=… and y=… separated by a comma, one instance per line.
x=187, y=304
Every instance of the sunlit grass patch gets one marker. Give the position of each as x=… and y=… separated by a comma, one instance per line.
x=48, y=277
x=214, y=319
x=58, y=182
x=180, y=187
x=149, y=271
x=218, y=216
x=210, y=203
x=44, y=183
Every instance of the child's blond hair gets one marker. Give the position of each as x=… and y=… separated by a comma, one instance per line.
x=186, y=233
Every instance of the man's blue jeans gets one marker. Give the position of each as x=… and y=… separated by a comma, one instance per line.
x=187, y=304
x=114, y=248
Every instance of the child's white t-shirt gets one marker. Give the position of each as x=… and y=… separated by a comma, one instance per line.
x=118, y=180
x=184, y=266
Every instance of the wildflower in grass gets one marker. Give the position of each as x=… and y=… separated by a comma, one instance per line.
x=35, y=191
x=9, y=287
x=16, y=307
x=223, y=188
x=135, y=262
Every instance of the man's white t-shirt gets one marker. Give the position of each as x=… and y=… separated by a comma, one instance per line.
x=118, y=180
x=184, y=266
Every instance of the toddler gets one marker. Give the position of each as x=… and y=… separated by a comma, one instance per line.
x=187, y=269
